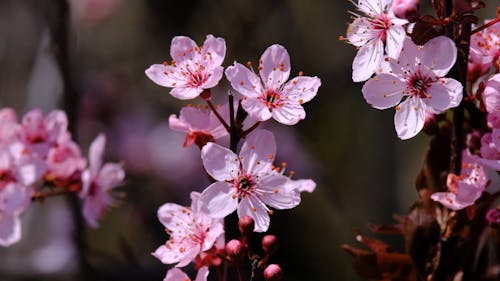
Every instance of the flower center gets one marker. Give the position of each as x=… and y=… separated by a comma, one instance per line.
x=272, y=99
x=381, y=24
x=244, y=185
x=417, y=85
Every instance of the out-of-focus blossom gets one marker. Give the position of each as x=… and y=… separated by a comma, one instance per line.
x=417, y=77
x=370, y=32
x=484, y=51
x=98, y=181
x=14, y=199
x=269, y=96
x=491, y=94
x=406, y=9
x=493, y=217
x=64, y=161
x=191, y=231
x=199, y=125
x=193, y=68
x=465, y=189
x=175, y=274
x=246, y=182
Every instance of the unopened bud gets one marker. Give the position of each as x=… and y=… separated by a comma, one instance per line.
x=234, y=249
x=406, y=9
x=269, y=244
x=493, y=217
x=273, y=272
x=246, y=225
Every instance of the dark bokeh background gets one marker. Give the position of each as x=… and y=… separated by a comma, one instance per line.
x=364, y=173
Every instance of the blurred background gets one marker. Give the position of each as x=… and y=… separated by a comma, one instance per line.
x=364, y=174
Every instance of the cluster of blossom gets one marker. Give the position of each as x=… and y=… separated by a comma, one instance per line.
x=245, y=181
x=411, y=79
x=38, y=159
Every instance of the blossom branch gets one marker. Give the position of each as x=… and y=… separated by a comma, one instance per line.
x=484, y=26
x=206, y=96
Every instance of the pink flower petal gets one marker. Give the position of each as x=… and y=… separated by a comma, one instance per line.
x=258, y=152
x=244, y=81
x=10, y=230
x=218, y=200
x=96, y=152
x=214, y=78
x=394, y=42
x=440, y=54
x=358, y=32
x=219, y=162
x=215, y=48
x=172, y=215
x=110, y=176
x=409, y=118
x=256, y=109
x=275, y=66
x=254, y=208
x=305, y=185
x=289, y=114
x=202, y=274
x=367, y=60
x=182, y=48
x=178, y=124
x=14, y=199
x=276, y=194
x=445, y=93
x=302, y=88
x=175, y=274
x=383, y=91
x=165, y=75
x=185, y=93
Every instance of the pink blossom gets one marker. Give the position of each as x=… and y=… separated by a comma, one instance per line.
x=98, y=181
x=191, y=231
x=484, y=51
x=175, y=274
x=8, y=124
x=40, y=132
x=199, y=125
x=246, y=182
x=417, y=77
x=14, y=199
x=64, y=161
x=491, y=94
x=406, y=9
x=269, y=96
x=369, y=33
x=465, y=189
x=193, y=69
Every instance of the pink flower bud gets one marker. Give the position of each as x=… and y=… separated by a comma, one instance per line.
x=406, y=9
x=493, y=217
x=246, y=225
x=234, y=249
x=269, y=244
x=273, y=272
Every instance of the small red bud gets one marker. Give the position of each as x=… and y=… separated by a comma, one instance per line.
x=273, y=272
x=246, y=225
x=269, y=244
x=234, y=249
x=406, y=9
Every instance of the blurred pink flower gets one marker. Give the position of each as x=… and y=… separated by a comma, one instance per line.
x=14, y=199
x=269, y=96
x=193, y=69
x=191, y=231
x=484, y=51
x=369, y=33
x=417, y=75
x=246, y=182
x=175, y=274
x=491, y=94
x=464, y=189
x=98, y=181
x=64, y=161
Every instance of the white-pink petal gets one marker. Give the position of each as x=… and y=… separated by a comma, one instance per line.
x=254, y=208
x=215, y=49
x=394, y=42
x=10, y=230
x=185, y=92
x=182, y=48
x=367, y=60
x=220, y=163
x=258, y=152
x=244, y=81
x=302, y=88
x=439, y=54
x=409, y=118
x=383, y=91
x=256, y=109
x=219, y=199
x=445, y=93
x=275, y=66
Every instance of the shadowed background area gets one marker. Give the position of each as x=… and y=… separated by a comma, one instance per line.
x=364, y=174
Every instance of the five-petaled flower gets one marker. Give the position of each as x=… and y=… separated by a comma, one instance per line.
x=246, y=182
x=271, y=96
x=193, y=68
x=191, y=231
x=416, y=75
x=370, y=32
